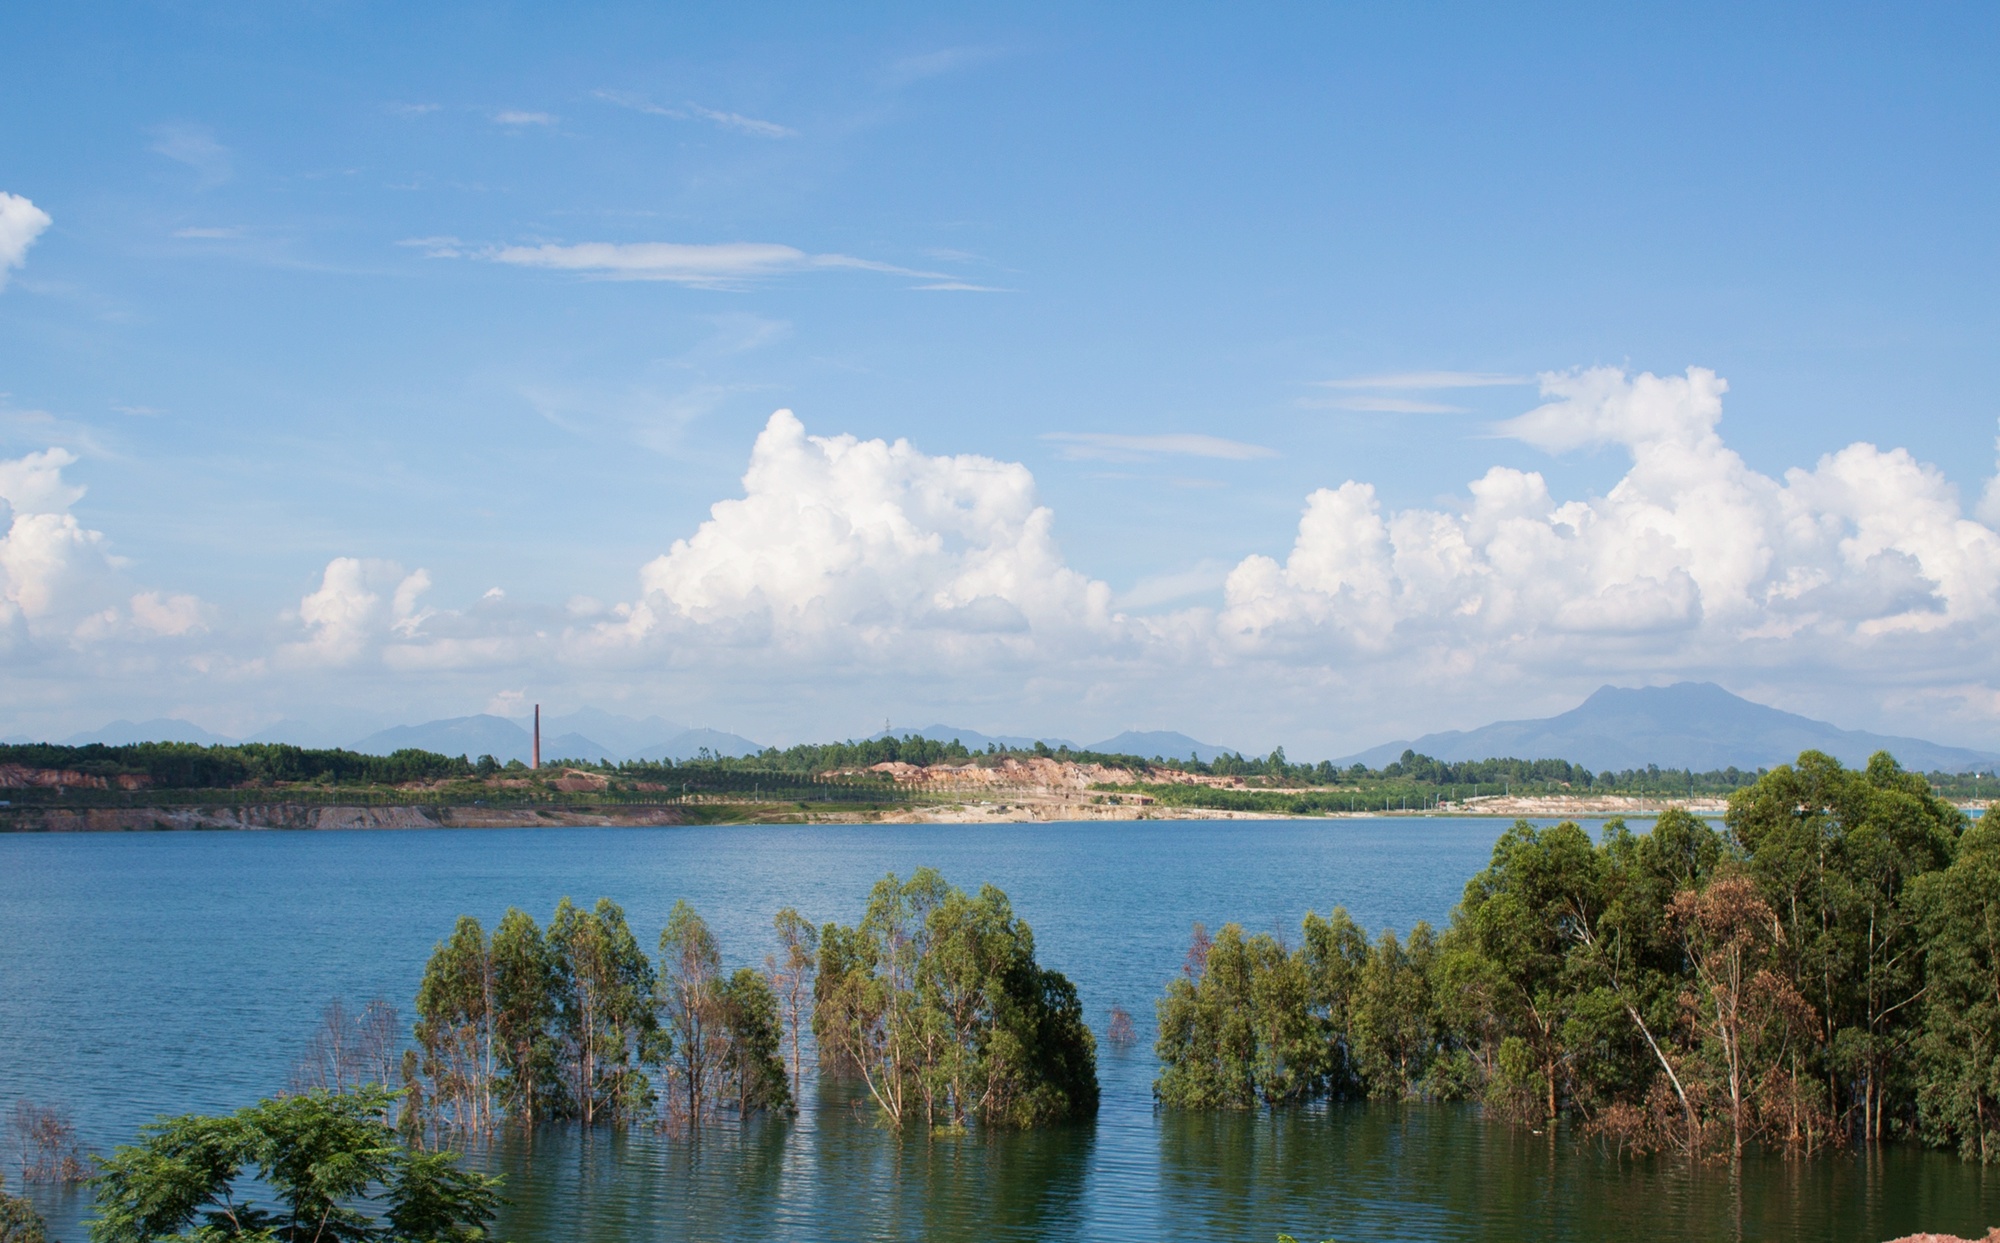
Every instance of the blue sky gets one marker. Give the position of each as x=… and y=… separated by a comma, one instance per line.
x=505, y=296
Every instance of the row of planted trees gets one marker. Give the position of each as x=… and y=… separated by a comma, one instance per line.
x=933, y=1001
x=1826, y=971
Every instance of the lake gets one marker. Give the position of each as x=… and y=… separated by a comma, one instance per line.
x=161, y=973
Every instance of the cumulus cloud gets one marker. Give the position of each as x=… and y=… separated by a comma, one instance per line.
x=360, y=604
x=21, y=222
x=717, y=265
x=1692, y=558
x=58, y=578
x=870, y=546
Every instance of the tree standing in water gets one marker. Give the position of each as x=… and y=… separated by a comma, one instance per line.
x=455, y=1029
x=792, y=975
x=523, y=1010
x=605, y=1018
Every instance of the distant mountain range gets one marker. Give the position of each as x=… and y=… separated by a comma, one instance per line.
x=160, y=729
x=973, y=739
x=1162, y=744
x=508, y=740
x=1695, y=725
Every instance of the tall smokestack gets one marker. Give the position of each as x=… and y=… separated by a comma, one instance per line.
x=536, y=760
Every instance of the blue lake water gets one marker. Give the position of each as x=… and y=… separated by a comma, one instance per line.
x=158, y=973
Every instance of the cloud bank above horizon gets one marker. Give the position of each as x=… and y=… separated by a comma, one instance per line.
x=852, y=573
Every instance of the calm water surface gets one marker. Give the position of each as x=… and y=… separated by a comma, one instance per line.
x=157, y=973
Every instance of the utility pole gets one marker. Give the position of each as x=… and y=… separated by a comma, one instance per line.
x=535, y=758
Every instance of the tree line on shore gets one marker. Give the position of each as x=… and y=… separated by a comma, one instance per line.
x=190, y=766
x=1825, y=972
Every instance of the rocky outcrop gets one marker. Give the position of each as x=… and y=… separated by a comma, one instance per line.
x=1991, y=1236
x=21, y=777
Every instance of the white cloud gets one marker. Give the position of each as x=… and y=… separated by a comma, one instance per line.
x=1114, y=447
x=204, y=233
x=695, y=112
x=747, y=125
x=872, y=548
x=713, y=265
x=359, y=604
x=167, y=614
x=1692, y=559
x=58, y=578
x=517, y=117
x=196, y=147
x=21, y=222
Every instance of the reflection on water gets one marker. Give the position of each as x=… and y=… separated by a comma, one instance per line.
x=828, y=1174
x=151, y=973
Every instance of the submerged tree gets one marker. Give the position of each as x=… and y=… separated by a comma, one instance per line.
x=455, y=1029
x=331, y=1162
x=936, y=1002
x=793, y=973
x=604, y=1012
x=1958, y=1094
x=350, y=1048
x=522, y=1011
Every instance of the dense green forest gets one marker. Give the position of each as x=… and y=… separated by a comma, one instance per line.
x=1825, y=972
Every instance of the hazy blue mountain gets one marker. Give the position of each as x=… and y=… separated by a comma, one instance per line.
x=1694, y=725
x=301, y=734
x=619, y=735
x=1164, y=743
x=159, y=729
x=472, y=736
x=687, y=743
x=573, y=747
x=17, y=740
x=973, y=739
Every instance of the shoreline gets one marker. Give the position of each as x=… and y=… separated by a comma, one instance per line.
x=1024, y=807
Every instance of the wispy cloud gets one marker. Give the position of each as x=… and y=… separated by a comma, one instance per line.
x=695, y=112
x=1383, y=405
x=1175, y=585
x=1430, y=379
x=516, y=117
x=410, y=110
x=1117, y=447
x=196, y=147
x=207, y=233
x=964, y=287
x=938, y=63
x=717, y=265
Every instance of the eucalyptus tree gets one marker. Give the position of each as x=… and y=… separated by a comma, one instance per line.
x=1958, y=1093
x=1833, y=851
x=1507, y=958
x=936, y=1002
x=753, y=1033
x=793, y=972
x=524, y=1009
x=454, y=1028
x=604, y=1011
x=690, y=970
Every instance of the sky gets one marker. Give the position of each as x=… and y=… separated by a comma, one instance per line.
x=1312, y=375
